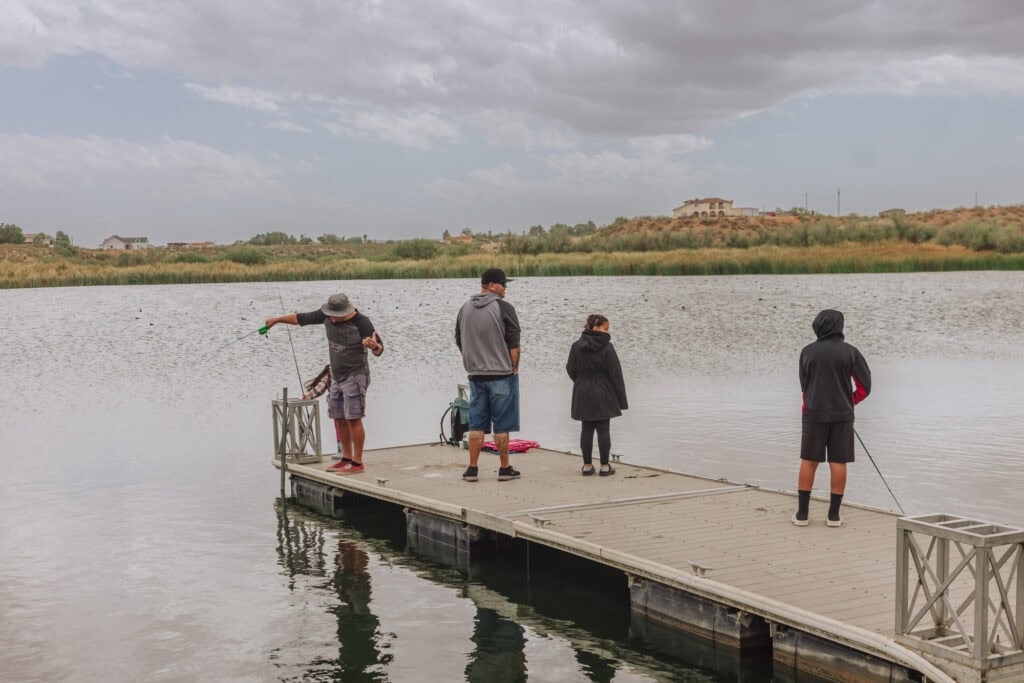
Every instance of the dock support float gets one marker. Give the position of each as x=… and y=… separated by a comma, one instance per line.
x=653, y=602
x=798, y=654
x=698, y=631
x=445, y=541
x=321, y=498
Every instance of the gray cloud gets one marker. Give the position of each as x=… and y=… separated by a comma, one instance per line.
x=37, y=163
x=594, y=67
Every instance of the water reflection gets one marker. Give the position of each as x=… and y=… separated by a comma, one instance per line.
x=499, y=655
x=562, y=624
x=301, y=550
x=360, y=656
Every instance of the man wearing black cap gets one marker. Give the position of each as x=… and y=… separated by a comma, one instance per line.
x=487, y=334
x=349, y=335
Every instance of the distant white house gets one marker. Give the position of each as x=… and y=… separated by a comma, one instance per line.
x=710, y=207
x=123, y=243
x=44, y=239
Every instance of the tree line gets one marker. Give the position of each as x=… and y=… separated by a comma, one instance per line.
x=12, y=234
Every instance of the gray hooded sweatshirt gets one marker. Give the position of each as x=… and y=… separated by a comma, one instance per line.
x=486, y=328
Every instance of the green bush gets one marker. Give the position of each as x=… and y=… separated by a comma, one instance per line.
x=130, y=258
x=415, y=249
x=249, y=256
x=190, y=257
x=456, y=250
x=275, y=237
x=11, y=234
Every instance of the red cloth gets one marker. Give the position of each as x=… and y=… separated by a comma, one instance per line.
x=514, y=446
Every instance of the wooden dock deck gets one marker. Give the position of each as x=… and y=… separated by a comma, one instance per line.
x=729, y=543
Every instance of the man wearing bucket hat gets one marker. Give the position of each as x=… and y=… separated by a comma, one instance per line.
x=349, y=335
x=487, y=334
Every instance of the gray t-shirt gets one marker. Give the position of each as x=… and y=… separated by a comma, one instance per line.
x=345, y=340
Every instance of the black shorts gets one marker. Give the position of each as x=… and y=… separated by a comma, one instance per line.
x=834, y=439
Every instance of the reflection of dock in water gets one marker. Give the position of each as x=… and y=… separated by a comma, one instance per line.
x=502, y=626
x=722, y=561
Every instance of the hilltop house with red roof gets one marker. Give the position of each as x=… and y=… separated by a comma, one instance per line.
x=709, y=207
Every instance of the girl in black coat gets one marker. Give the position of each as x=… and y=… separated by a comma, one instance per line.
x=598, y=390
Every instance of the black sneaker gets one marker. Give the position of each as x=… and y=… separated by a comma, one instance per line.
x=507, y=473
x=471, y=474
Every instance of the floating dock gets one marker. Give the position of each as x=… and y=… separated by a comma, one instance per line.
x=931, y=598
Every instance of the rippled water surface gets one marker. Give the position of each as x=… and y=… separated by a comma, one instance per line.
x=140, y=536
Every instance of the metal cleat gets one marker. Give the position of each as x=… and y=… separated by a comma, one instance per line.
x=699, y=569
x=540, y=521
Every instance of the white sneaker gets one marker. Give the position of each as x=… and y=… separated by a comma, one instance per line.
x=834, y=522
x=799, y=522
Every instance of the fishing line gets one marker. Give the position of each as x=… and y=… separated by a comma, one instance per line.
x=879, y=471
x=262, y=330
x=289, y=331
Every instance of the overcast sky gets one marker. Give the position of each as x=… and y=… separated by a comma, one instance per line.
x=217, y=120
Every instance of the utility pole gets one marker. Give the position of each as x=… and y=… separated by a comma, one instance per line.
x=805, y=202
x=838, y=212
x=975, y=200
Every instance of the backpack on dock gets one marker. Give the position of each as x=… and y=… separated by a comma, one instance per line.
x=458, y=414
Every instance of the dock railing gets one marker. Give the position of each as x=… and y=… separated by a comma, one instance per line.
x=960, y=590
x=297, y=430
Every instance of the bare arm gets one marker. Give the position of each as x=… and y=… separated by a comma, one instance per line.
x=514, y=355
x=374, y=343
x=290, y=319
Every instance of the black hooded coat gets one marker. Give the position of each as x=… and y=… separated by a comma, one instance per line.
x=826, y=368
x=598, y=390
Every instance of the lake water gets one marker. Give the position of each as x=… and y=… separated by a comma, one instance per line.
x=140, y=537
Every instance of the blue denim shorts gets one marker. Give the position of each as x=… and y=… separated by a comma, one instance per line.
x=494, y=405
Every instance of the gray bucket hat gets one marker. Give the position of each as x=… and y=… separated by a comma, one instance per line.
x=338, y=306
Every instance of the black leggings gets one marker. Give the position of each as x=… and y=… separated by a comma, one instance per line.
x=604, y=440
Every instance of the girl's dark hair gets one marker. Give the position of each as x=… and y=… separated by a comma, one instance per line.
x=595, y=320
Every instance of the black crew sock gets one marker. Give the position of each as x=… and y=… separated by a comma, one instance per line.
x=834, y=501
x=803, y=504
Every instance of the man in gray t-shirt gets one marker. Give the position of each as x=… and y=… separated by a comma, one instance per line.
x=349, y=335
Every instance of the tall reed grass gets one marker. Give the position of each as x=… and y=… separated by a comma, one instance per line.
x=874, y=257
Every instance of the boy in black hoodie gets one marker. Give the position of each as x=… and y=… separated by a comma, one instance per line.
x=827, y=367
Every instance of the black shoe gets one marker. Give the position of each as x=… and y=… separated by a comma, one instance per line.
x=471, y=474
x=507, y=473
x=606, y=471
x=587, y=471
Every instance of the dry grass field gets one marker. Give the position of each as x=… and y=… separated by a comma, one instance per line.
x=984, y=238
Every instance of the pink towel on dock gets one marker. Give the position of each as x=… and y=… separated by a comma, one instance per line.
x=514, y=446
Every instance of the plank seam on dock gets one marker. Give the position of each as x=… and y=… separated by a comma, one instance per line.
x=656, y=497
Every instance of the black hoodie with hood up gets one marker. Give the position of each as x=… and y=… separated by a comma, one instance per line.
x=826, y=368
x=598, y=390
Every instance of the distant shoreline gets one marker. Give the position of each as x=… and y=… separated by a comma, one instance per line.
x=20, y=271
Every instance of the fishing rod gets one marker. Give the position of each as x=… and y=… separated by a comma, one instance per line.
x=289, y=331
x=879, y=471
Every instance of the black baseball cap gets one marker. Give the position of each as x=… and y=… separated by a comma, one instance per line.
x=494, y=275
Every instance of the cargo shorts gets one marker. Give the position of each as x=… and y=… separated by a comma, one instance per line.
x=347, y=400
